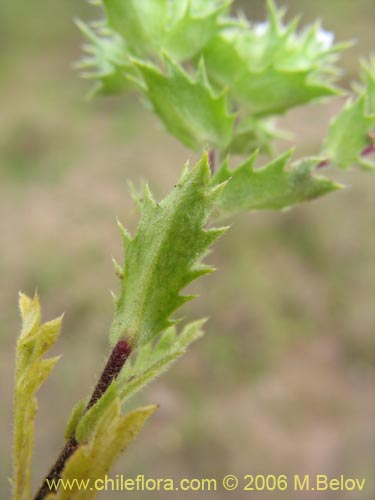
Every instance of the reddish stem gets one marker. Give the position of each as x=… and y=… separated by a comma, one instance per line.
x=323, y=163
x=369, y=150
x=55, y=473
x=116, y=361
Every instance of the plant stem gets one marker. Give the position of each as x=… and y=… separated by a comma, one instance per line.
x=369, y=150
x=50, y=482
x=116, y=361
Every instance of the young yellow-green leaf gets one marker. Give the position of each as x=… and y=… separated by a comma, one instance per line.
x=92, y=460
x=349, y=140
x=272, y=187
x=88, y=422
x=31, y=371
x=149, y=362
x=164, y=256
x=75, y=417
x=269, y=67
x=152, y=360
x=188, y=108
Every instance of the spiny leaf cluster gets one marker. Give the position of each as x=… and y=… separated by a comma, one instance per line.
x=197, y=65
x=222, y=90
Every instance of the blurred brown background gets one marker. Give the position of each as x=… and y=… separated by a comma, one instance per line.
x=283, y=382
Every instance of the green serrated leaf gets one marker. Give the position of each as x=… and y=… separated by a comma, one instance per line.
x=113, y=433
x=192, y=23
x=272, y=187
x=164, y=256
x=31, y=371
x=350, y=132
x=106, y=60
x=268, y=67
x=141, y=24
x=188, y=108
x=181, y=28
